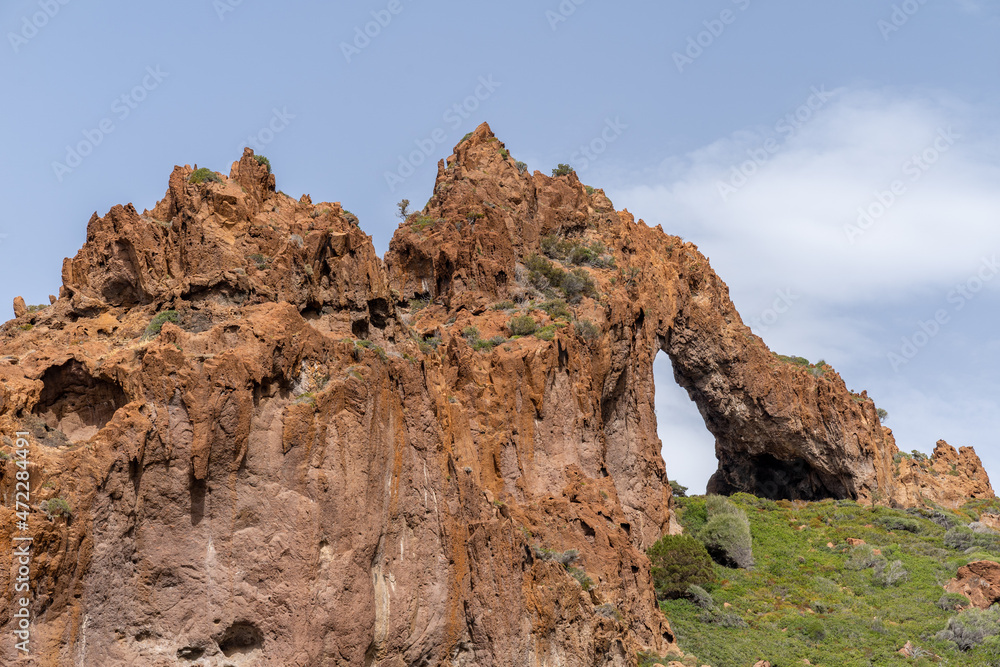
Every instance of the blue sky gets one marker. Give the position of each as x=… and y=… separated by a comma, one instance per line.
x=838, y=160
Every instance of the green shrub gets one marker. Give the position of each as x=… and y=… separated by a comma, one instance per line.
x=952, y=601
x=972, y=627
x=522, y=167
x=726, y=619
x=811, y=628
x=590, y=190
x=264, y=161
x=562, y=170
x=470, y=333
x=522, y=325
x=678, y=490
x=700, y=596
x=727, y=538
x=421, y=222
x=556, y=309
x=351, y=218
x=577, y=284
x=504, y=153
x=480, y=345
x=862, y=557
x=882, y=414
x=542, y=273
x=204, y=174
x=677, y=562
x=889, y=574
x=161, y=318
x=504, y=305
x=581, y=576
x=899, y=523
x=586, y=329
x=963, y=537
x=430, y=344
x=715, y=505
x=554, y=247
x=547, y=333
x=56, y=507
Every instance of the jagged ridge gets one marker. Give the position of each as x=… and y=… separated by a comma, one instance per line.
x=311, y=465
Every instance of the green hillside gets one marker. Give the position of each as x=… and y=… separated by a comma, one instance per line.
x=810, y=595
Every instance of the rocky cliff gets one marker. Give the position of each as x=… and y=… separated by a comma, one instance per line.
x=279, y=449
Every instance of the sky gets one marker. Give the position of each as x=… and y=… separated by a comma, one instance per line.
x=837, y=160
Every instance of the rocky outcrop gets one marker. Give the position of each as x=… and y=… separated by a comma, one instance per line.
x=947, y=477
x=278, y=449
x=979, y=581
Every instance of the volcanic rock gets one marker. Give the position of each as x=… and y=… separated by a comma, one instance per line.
x=979, y=581
x=278, y=449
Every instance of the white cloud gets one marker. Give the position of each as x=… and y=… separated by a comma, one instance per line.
x=796, y=220
x=784, y=230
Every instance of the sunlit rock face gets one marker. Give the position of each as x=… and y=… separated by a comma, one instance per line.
x=279, y=449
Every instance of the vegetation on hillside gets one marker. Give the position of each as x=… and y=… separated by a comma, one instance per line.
x=811, y=595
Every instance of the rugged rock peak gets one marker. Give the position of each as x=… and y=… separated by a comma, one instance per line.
x=487, y=212
x=947, y=477
x=277, y=447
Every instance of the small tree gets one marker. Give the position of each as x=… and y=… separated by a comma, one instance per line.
x=404, y=209
x=678, y=561
x=562, y=170
x=882, y=413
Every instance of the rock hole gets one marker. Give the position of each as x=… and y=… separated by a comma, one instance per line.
x=190, y=653
x=359, y=328
x=198, y=488
x=378, y=312
x=688, y=447
x=77, y=403
x=135, y=474
x=241, y=637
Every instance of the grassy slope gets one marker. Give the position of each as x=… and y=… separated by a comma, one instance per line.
x=802, y=602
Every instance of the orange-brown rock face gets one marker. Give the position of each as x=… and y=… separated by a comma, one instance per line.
x=280, y=450
x=979, y=581
x=947, y=477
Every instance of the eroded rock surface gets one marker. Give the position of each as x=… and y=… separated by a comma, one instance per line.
x=280, y=450
x=979, y=581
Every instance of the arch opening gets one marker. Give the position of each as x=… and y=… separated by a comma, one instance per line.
x=687, y=446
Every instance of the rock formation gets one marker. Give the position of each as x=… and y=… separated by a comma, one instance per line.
x=979, y=581
x=947, y=477
x=278, y=449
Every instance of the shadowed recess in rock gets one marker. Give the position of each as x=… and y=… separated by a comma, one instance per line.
x=77, y=403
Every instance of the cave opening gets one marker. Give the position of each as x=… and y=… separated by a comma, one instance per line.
x=77, y=403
